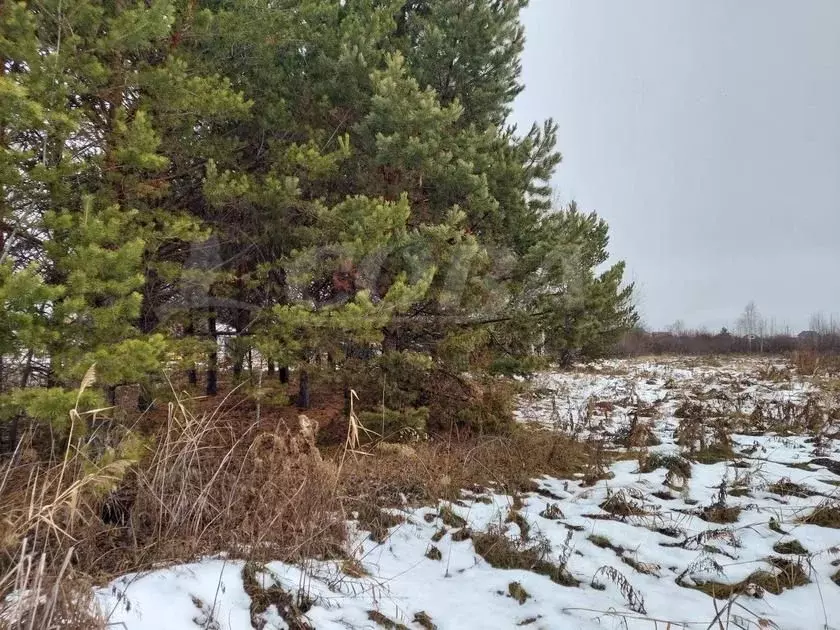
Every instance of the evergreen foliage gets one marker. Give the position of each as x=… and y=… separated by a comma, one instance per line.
x=311, y=179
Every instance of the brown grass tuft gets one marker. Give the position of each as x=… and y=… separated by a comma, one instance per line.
x=502, y=552
x=826, y=514
x=789, y=574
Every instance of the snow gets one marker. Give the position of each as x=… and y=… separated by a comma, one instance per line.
x=461, y=590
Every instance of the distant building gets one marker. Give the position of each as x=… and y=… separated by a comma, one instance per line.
x=807, y=335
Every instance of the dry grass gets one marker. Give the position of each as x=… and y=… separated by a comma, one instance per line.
x=289, y=607
x=789, y=574
x=438, y=469
x=622, y=505
x=790, y=547
x=502, y=552
x=826, y=514
x=806, y=362
x=517, y=592
x=785, y=487
x=113, y=504
x=213, y=487
x=376, y=521
x=36, y=597
x=721, y=513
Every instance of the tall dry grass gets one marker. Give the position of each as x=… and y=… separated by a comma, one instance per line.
x=112, y=502
x=201, y=484
x=210, y=486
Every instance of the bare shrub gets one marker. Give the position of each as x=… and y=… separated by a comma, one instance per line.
x=806, y=361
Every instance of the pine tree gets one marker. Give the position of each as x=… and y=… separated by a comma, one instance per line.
x=315, y=179
x=84, y=182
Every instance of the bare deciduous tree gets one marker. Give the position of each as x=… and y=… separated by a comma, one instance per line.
x=752, y=325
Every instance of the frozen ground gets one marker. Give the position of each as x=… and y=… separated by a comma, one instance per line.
x=739, y=499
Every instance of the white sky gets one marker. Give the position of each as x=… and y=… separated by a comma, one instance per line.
x=708, y=134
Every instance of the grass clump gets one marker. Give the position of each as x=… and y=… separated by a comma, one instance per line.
x=434, y=553
x=423, y=620
x=622, y=505
x=604, y=543
x=450, y=518
x=442, y=467
x=384, y=622
x=465, y=533
x=827, y=514
x=552, y=512
x=790, y=547
x=518, y=593
x=502, y=552
x=353, y=567
x=262, y=598
x=721, y=513
x=786, y=488
x=377, y=521
x=675, y=464
x=776, y=527
x=789, y=574
x=521, y=522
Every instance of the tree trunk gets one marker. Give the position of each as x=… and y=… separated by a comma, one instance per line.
x=212, y=359
x=192, y=373
x=283, y=375
x=303, y=390
x=270, y=367
x=237, y=367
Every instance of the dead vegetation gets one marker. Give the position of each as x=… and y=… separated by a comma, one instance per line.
x=623, y=504
x=375, y=520
x=117, y=502
x=790, y=547
x=785, y=487
x=440, y=468
x=634, y=598
x=292, y=609
x=502, y=552
x=826, y=514
x=788, y=574
x=518, y=593
x=203, y=484
x=385, y=622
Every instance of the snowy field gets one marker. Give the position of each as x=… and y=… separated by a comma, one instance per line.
x=724, y=481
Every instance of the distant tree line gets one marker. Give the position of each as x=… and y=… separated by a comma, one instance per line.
x=753, y=333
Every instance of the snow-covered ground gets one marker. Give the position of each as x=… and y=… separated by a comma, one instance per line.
x=631, y=550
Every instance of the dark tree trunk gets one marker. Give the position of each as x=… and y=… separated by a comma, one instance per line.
x=14, y=427
x=212, y=359
x=303, y=390
x=192, y=373
x=346, y=398
x=145, y=400
x=270, y=367
x=283, y=374
x=149, y=322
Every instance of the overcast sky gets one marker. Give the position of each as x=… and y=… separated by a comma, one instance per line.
x=708, y=134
